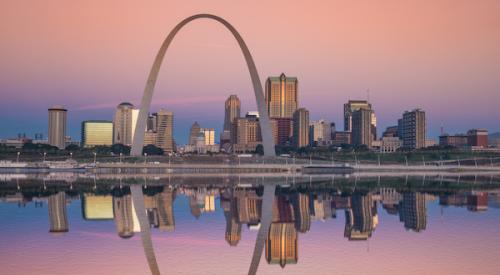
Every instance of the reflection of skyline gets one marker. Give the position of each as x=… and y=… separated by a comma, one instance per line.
x=291, y=212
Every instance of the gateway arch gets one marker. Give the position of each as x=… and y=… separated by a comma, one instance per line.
x=265, y=126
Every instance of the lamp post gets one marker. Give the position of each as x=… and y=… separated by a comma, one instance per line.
x=18, y=154
x=44, y=155
x=70, y=155
x=95, y=158
x=121, y=154
x=145, y=158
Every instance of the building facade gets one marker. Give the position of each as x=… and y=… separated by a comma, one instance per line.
x=281, y=96
x=232, y=110
x=96, y=133
x=165, y=129
x=57, y=126
x=319, y=133
x=477, y=138
x=124, y=122
x=362, y=127
x=352, y=106
x=301, y=128
x=413, y=129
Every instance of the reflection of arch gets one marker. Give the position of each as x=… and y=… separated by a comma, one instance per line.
x=267, y=139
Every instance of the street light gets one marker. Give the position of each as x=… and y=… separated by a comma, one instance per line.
x=95, y=158
x=121, y=154
x=71, y=155
x=44, y=155
x=145, y=157
x=18, y=154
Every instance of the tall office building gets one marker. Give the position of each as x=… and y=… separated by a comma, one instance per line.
x=124, y=123
x=283, y=130
x=209, y=135
x=281, y=96
x=301, y=128
x=246, y=134
x=413, y=130
x=57, y=126
x=58, y=216
x=281, y=244
x=362, y=127
x=319, y=132
x=350, y=107
x=165, y=128
x=193, y=133
x=96, y=133
x=232, y=110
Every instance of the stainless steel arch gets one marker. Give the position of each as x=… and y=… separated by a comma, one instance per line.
x=267, y=138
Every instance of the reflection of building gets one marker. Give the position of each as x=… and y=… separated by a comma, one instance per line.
x=125, y=217
x=58, y=216
x=159, y=209
x=281, y=244
x=301, y=211
x=57, y=126
x=413, y=211
x=361, y=218
x=193, y=206
x=282, y=210
x=281, y=96
x=477, y=201
x=97, y=207
x=233, y=227
x=249, y=206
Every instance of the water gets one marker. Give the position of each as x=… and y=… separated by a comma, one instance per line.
x=204, y=225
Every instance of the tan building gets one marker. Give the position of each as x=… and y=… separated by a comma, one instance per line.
x=96, y=133
x=124, y=123
x=301, y=128
x=57, y=126
x=232, y=111
x=209, y=134
x=281, y=96
x=350, y=107
x=319, y=132
x=246, y=135
x=97, y=207
x=165, y=128
x=193, y=133
x=362, y=127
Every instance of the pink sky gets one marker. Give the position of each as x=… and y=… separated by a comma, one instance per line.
x=442, y=56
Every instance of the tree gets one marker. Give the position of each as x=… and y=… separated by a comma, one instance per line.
x=120, y=148
x=150, y=149
x=72, y=147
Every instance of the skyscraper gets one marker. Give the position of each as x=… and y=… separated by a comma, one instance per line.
x=232, y=110
x=124, y=123
x=57, y=126
x=58, y=216
x=193, y=133
x=281, y=96
x=165, y=128
x=413, y=132
x=209, y=134
x=350, y=107
x=362, y=127
x=301, y=128
x=319, y=132
x=97, y=132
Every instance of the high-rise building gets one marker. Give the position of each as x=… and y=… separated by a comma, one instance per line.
x=96, y=133
x=301, y=128
x=209, y=134
x=413, y=211
x=350, y=107
x=319, y=132
x=246, y=134
x=283, y=129
x=193, y=133
x=57, y=126
x=58, y=216
x=413, y=132
x=232, y=110
x=281, y=96
x=124, y=123
x=362, y=127
x=165, y=129
x=281, y=244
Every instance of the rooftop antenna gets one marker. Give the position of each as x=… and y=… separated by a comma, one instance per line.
x=442, y=129
x=368, y=95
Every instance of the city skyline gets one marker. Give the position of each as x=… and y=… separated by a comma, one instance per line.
x=416, y=72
